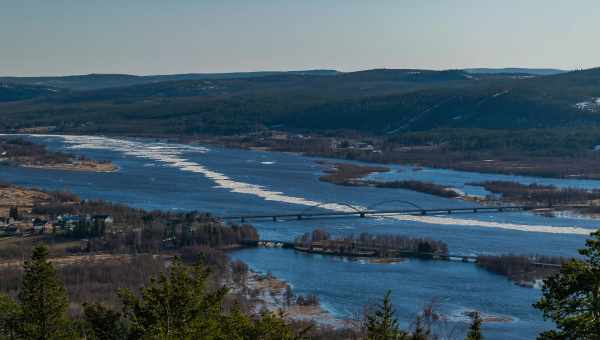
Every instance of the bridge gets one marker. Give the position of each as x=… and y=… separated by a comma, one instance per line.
x=353, y=211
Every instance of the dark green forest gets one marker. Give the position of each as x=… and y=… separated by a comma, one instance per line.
x=385, y=101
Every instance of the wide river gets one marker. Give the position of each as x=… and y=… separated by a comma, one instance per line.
x=166, y=176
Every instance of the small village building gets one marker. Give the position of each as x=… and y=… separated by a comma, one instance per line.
x=38, y=225
x=106, y=219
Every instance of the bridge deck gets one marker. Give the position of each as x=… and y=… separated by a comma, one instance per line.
x=422, y=212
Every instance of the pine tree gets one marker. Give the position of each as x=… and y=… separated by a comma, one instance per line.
x=175, y=306
x=382, y=324
x=103, y=323
x=572, y=297
x=475, y=328
x=9, y=317
x=421, y=331
x=179, y=306
x=43, y=299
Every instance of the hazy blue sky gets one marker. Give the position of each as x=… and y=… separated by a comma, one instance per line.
x=176, y=36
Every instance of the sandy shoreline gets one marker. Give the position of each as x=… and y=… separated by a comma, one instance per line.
x=83, y=166
x=270, y=293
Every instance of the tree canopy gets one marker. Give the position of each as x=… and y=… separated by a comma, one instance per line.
x=571, y=298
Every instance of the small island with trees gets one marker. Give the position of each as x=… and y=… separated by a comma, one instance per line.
x=355, y=175
x=21, y=152
x=382, y=247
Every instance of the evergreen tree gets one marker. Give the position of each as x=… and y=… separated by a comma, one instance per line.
x=382, y=324
x=175, y=306
x=179, y=306
x=43, y=299
x=571, y=298
x=475, y=328
x=9, y=317
x=102, y=323
x=421, y=331
x=266, y=326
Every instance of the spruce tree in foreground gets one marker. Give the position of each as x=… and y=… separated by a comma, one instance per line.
x=382, y=324
x=102, y=323
x=571, y=298
x=43, y=299
x=475, y=328
x=179, y=305
x=9, y=317
x=175, y=306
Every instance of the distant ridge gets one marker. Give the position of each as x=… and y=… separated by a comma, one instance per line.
x=97, y=81
x=375, y=101
x=516, y=70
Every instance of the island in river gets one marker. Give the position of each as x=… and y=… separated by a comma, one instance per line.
x=20, y=152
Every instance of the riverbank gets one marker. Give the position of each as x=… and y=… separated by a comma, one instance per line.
x=435, y=155
x=265, y=291
x=15, y=151
x=89, y=166
x=354, y=175
x=543, y=196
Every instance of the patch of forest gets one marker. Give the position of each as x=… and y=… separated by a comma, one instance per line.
x=537, y=194
x=364, y=244
x=21, y=152
x=353, y=175
x=524, y=270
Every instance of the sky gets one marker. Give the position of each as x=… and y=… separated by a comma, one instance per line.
x=60, y=37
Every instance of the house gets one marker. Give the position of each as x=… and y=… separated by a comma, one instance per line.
x=38, y=225
x=106, y=219
x=68, y=221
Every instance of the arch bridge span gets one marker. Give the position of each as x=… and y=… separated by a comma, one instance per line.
x=374, y=211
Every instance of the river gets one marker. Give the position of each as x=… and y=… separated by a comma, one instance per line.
x=167, y=176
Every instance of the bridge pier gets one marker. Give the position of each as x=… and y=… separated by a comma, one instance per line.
x=423, y=212
x=299, y=217
x=274, y=218
x=362, y=214
x=449, y=211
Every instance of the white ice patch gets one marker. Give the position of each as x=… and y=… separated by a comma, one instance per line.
x=172, y=155
x=592, y=105
x=500, y=93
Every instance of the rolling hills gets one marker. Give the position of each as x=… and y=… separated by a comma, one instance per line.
x=377, y=101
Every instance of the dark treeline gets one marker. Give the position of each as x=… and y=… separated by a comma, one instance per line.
x=382, y=244
x=353, y=175
x=346, y=174
x=419, y=186
x=537, y=152
x=181, y=302
x=539, y=194
x=94, y=280
x=146, y=231
x=19, y=150
x=520, y=268
x=532, y=142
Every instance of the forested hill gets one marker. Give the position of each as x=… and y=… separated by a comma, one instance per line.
x=373, y=101
x=100, y=81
